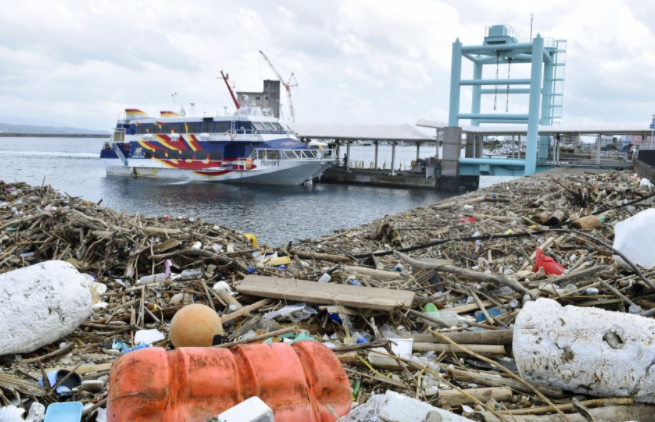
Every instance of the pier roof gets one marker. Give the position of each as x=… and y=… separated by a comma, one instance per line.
x=403, y=132
x=604, y=129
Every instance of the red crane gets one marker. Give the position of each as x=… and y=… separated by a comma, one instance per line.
x=225, y=78
x=287, y=85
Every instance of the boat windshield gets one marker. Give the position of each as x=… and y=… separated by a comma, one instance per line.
x=249, y=111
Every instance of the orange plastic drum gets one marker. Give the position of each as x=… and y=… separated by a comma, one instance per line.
x=195, y=383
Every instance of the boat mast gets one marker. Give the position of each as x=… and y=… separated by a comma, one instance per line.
x=225, y=77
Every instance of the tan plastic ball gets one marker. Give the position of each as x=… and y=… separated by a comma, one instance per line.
x=195, y=326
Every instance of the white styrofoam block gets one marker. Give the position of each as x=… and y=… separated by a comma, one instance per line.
x=400, y=408
x=635, y=237
x=251, y=410
x=41, y=304
x=148, y=336
x=586, y=350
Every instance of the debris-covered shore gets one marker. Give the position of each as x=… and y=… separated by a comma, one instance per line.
x=445, y=304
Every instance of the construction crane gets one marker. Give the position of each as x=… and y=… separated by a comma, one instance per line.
x=225, y=78
x=287, y=85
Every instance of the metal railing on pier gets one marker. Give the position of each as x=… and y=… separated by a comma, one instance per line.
x=292, y=154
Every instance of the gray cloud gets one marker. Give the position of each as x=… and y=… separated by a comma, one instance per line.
x=80, y=63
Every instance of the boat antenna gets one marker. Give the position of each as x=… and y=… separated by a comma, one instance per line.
x=531, y=19
x=173, y=95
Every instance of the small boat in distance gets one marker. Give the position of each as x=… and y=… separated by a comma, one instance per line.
x=246, y=147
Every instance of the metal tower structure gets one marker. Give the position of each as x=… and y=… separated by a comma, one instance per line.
x=545, y=86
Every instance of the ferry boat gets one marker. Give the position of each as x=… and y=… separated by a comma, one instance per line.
x=245, y=147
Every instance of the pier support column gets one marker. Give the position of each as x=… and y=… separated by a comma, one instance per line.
x=393, y=158
x=436, y=153
x=598, y=150
x=418, y=150
x=452, y=148
x=350, y=160
x=534, y=105
x=513, y=146
x=377, y=144
x=338, y=150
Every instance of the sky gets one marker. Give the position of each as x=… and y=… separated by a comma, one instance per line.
x=80, y=63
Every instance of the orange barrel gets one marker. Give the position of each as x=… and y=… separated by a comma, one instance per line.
x=195, y=383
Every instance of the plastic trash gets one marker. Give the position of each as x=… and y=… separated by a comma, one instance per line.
x=65, y=389
x=402, y=347
x=325, y=278
x=645, y=183
x=550, y=266
x=148, y=336
x=466, y=220
x=252, y=238
x=589, y=222
x=13, y=413
x=298, y=381
x=251, y=410
x=430, y=309
x=64, y=412
x=148, y=279
x=139, y=347
x=635, y=238
x=196, y=246
x=295, y=313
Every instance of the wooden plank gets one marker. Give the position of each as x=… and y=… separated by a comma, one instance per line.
x=326, y=293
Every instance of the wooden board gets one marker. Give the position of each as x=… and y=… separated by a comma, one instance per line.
x=326, y=293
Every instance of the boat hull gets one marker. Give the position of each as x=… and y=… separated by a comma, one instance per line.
x=274, y=173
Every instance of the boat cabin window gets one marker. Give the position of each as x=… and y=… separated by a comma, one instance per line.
x=160, y=154
x=258, y=125
x=268, y=126
x=193, y=127
x=173, y=154
x=208, y=127
x=164, y=128
x=222, y=127
x=246, y=126
x=187, y=155
x=141, y=129
x=201, y=155
x=179, y=128
x=277, y=126
x=147, y=154
x=215, y=155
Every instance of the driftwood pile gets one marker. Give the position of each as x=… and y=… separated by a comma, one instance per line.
x=472, y=257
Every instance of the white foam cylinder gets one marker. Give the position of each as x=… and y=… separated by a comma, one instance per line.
x=586, y=350
x=41, y=304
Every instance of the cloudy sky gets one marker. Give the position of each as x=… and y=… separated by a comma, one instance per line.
x=80, y=63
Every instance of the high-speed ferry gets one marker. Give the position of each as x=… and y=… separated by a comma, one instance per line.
x=245, y=147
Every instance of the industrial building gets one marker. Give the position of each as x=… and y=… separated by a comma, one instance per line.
x=268, y=100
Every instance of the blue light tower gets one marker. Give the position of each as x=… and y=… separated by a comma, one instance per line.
x=545, y=86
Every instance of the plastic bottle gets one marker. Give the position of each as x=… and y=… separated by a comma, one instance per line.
x=387, y=332
x=402, y=331
x=361, y=337
x=325, y=278
x=152, y=278
x=430, y=309
x=589, y=222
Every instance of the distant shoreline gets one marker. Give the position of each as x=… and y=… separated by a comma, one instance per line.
x=52, y=135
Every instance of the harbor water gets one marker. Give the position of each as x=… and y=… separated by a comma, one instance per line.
x=275, y=214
